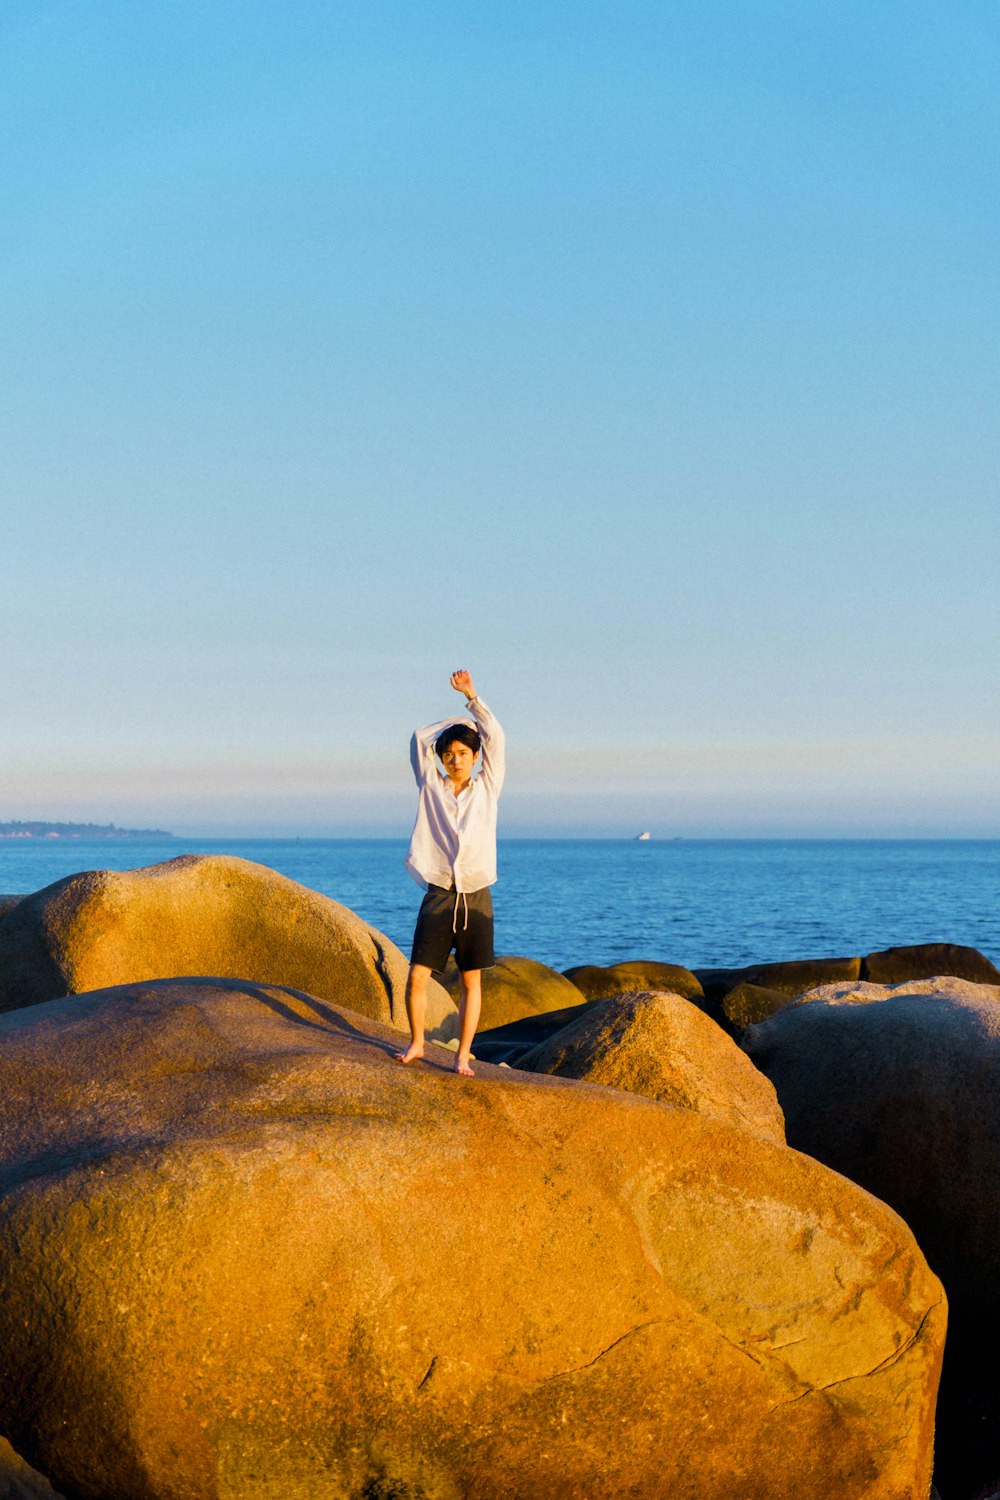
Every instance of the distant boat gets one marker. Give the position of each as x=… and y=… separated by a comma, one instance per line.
x=641, y=838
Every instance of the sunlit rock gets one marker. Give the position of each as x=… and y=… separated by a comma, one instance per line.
x=202, y=914
x=598, y=983
x=244, y=1252
x=665, y=1048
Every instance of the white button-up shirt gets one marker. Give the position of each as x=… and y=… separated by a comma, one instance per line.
x=454, y=839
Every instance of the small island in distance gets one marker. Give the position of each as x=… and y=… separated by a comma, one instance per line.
x=78, y=831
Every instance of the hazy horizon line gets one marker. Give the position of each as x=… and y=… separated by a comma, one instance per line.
x=273, y=836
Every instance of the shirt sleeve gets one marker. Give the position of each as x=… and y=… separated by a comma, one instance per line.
x=494, y=744
x=422, y=748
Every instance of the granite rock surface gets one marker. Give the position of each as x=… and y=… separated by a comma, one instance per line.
x=203, y=914
x=662, y=1046
x=597, y=983
x=243, y=1252
x=927, y=961
x=19, y=1481
x=897, y=1087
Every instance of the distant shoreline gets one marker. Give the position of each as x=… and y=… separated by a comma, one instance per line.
x=107, y=831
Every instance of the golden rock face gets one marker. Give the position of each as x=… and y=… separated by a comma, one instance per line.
x=202, y=914
x=243, y=1252
x=635, y=974
x=662, y=1046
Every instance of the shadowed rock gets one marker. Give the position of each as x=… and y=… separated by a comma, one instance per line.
x=664, y=1047
x=749, y=1003
x=926, y=961
x=791, y=978
x=508, y=1043
x=636, y=974
x=19, y=1481
x=202, y=914
x=7, y=903
x=515, y=987
x=244, y=1252
x=896, y=1087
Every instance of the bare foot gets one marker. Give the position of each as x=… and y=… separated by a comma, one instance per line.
x=463, y=1066
x=413, y=1051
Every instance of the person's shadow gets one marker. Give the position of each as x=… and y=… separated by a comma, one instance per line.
x=328, y=1020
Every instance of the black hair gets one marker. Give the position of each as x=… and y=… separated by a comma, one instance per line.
x=464, y=733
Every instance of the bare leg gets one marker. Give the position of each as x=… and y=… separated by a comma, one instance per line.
x=416, y=1010
x=468, y=1018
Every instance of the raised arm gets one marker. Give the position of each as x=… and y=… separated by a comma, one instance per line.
x=492, y=736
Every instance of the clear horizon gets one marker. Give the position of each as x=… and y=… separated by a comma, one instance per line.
x=258, y=835
x=642, y=364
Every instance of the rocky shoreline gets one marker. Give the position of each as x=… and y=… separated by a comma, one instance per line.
x=688, y=1233
x=91, y=832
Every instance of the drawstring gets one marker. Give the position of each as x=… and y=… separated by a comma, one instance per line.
x=460, y=896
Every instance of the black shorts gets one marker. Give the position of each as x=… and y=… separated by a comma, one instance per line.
x=449, y=919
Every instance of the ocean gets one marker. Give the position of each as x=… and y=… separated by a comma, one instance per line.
x=712, y=902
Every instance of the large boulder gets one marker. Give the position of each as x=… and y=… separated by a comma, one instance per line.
x=515, y=987
x=203, y=914
x=926, y=961
x=244, y=1252
x=896, y=1087
x=598, y=983
x=665, y=1048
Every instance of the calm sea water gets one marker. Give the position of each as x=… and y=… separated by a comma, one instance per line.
x=692, y=902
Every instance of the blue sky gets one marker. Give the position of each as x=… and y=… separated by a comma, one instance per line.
x=642, y=359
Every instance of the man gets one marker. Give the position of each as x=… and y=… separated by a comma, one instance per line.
x=453, y=855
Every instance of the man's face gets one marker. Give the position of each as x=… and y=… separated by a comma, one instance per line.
x=458, y=760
